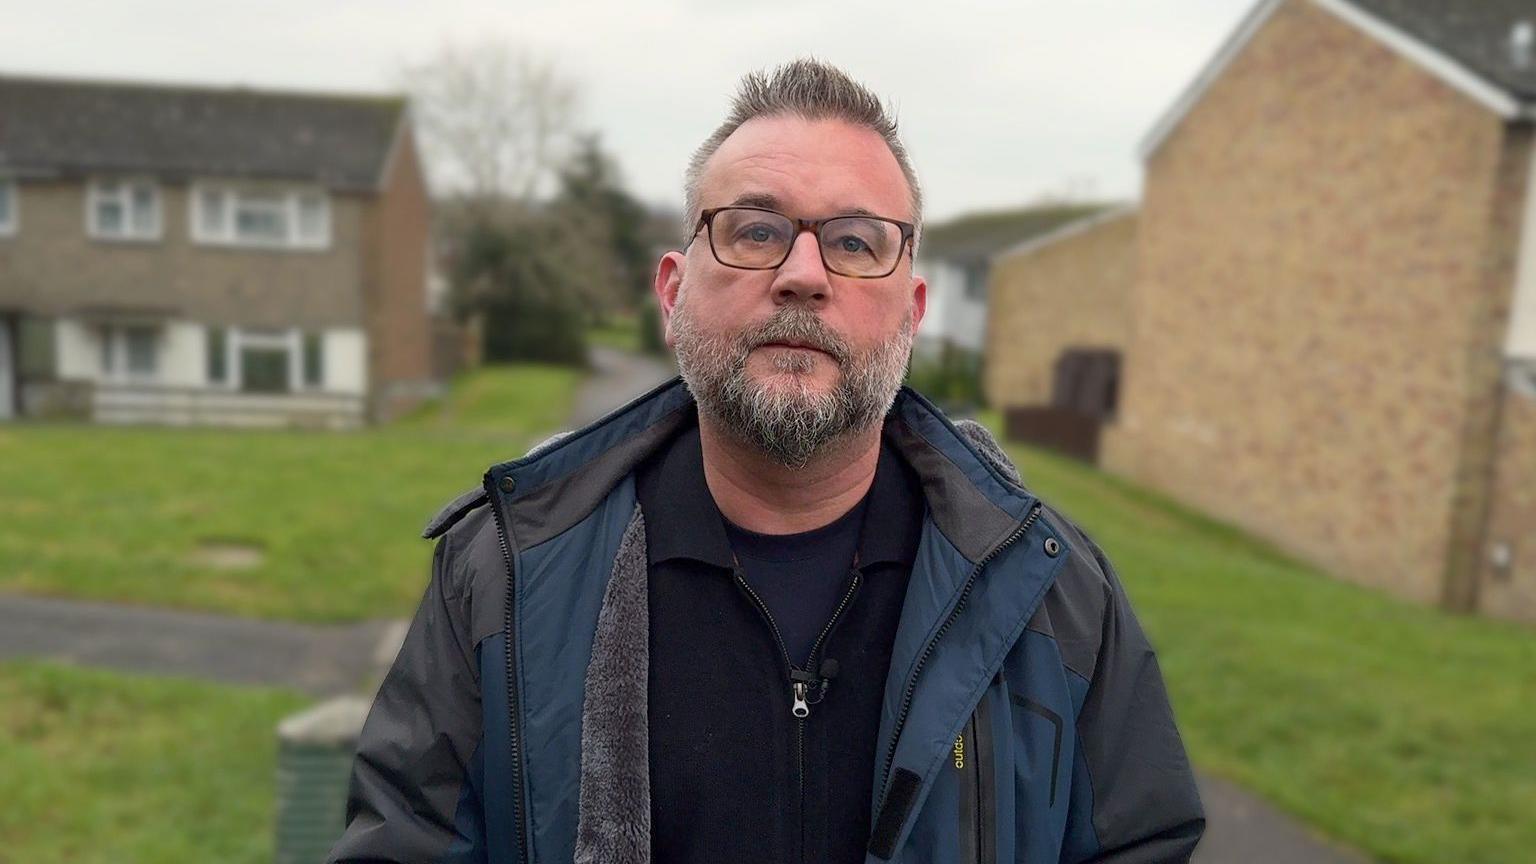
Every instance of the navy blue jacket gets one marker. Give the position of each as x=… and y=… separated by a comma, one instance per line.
x=1024, y=717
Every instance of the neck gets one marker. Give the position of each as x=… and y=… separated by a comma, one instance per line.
x=759, y=494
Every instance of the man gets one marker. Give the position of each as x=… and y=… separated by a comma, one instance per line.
x=782, y=609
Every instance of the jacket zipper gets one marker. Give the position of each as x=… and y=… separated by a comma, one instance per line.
x=981, y=796
x=800, y=705
x=986, y=783
x=922, y=658
x=969, y=794
x=514, y=727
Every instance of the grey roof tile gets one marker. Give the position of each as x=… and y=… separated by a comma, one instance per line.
x=1474, y=33
x=63, y=127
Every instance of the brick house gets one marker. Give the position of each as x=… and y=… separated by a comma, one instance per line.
x=1054, y=298
x=190, y=255
x=1333, y=337
x=955, y=257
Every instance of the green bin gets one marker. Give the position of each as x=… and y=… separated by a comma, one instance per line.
x=314, y=763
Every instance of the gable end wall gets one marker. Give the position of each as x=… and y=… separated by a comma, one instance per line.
x=1317, y=303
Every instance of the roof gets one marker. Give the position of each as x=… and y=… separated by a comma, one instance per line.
x=1477, y=35
x=976, y=237
x=52, y=127
x=1469, y=46
x=1069, y=230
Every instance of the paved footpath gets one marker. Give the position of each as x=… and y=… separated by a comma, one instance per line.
x=319, y=660
x=618, y=376
x=329, y=660
x=1241, y=828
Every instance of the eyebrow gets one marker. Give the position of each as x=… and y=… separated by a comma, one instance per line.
x=772, y=202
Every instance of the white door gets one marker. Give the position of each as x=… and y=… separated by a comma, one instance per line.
x=7, y=370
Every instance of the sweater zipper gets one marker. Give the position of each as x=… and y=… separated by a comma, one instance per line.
x=514, y=725
x=922, y=658
x=799, y=679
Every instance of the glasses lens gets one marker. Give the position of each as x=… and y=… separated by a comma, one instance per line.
x=860, y=245
x=742, y=237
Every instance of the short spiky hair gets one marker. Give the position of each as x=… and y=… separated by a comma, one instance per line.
x=813, y=90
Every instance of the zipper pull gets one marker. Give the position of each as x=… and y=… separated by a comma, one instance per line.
x=800, y=708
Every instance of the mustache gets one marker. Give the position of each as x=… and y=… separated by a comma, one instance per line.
x=799, y=325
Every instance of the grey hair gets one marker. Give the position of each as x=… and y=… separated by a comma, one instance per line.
x=814, y=90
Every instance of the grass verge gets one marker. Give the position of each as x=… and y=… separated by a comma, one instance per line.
x=1403, y=731
x=108, y=768
x=317, y=526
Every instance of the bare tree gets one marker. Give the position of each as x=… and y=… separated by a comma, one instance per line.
x=495, y=120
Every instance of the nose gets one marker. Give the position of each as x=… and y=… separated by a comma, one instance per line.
x=802, y=277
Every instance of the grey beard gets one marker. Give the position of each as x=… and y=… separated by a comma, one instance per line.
x=790, y=424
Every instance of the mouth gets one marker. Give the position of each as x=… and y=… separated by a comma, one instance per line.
x=800, y=346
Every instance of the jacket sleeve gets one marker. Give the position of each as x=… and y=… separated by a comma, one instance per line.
x=412, y=797
x=1140, y=798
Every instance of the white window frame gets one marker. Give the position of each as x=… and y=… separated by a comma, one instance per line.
x=157, y=210
x=115, y=345
x=227, y=236
x=290, y=339
x=12, y=221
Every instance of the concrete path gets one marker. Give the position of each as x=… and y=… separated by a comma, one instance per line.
x=618, y=376
x=1243, y=829
x=320, y=660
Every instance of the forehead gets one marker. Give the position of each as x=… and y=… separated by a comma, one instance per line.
x=809, y=168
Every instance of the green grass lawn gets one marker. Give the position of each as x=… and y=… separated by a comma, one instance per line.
x=102, y=767
x=1405, y=732
x=118, y=513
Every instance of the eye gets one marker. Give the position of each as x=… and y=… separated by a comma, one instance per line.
x=757, y=232
x=851, y=244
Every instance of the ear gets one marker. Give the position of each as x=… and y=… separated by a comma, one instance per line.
x=669, y=279
x=919, y=300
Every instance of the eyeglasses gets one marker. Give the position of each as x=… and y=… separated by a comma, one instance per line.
x=752, y=238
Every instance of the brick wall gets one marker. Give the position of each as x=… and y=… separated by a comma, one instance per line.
x=1071, y=292
x=1318, y=268
x=51, y=267
x=395, y=263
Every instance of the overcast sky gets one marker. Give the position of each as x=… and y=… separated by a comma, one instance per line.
x=1000, y=103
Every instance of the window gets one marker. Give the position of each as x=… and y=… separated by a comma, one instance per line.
x=975, y=285
x=139, y=346
x=257, y=360
x=264, y=370
x=130, y=351
x=314, y=360
x=275, y=219
x=123, y=210
x=218, y=355
x=7, y=207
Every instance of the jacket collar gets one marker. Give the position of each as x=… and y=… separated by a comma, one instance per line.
x=691, y=526
x=971, y=500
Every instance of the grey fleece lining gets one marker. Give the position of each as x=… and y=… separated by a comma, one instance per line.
x=981, y=438
x=614, y=821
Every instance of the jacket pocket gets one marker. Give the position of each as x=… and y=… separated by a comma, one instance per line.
x=977, y=812
x=1056, y=727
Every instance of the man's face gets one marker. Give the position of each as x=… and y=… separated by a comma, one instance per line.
x=793, y=358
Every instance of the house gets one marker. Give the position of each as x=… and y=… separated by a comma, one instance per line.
x=1060, y=319
x=955, y=259
x=181, y=254
x=1333, y=325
